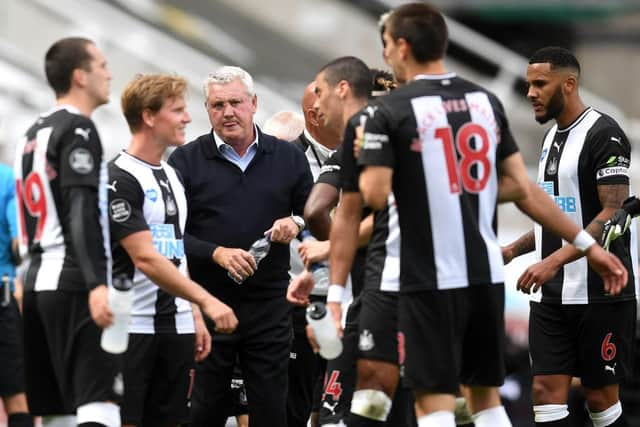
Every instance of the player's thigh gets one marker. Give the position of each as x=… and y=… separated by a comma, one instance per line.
x=340, y=379
x=138, y=365
x=168, y=398
x=11, y=355
x=427, y=321
x=483, y=343
x=553, y=339
x=606, y=343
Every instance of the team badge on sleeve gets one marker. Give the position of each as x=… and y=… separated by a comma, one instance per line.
x=119, y=210
x=81, y=161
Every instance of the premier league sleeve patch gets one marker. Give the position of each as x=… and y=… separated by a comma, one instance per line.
x=81, y=161
x=119, y=210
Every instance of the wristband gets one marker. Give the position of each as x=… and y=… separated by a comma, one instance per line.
x=583, y=241
x=335, y=293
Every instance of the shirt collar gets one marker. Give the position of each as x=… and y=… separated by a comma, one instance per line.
x=70, y=108
x=220, y=143
x=323, y=151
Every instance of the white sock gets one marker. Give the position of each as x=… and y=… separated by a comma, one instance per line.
x=59, y=421
x=105, y=413
x=492, y=417
x=437, y=419
x=372, y=404
x=606, y=417
x=548, y=413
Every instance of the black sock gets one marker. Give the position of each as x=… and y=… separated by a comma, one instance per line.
x=355, y=420
x=20, y=420
x=564, y=422
x=91, y=424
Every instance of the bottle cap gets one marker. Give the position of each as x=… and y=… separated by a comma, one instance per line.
x=316, y=310
x=122, y=283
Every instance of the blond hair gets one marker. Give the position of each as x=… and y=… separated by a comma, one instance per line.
x=148, y=92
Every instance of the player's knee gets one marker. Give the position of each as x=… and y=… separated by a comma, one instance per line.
x=376, y=375
x=606, y=417
x=550, y=413
x=545, y=392
x=101, y=413
x=600, y=399
x=372, y=404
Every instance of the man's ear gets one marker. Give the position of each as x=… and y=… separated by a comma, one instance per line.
x=78, y=78
x=403, y=48
x=570, y=84
x=342, y=89
x=148, y=118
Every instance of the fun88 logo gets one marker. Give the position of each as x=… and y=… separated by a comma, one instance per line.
x=565, y=203
x=165, y=242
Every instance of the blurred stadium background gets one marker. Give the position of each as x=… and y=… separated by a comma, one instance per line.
x=282, y=43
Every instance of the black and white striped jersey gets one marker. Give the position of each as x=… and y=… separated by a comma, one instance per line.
x=149, y=197
x=443, y=137
x=590, y=153
x=58, y=167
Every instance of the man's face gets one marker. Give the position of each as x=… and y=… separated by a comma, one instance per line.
x=545, y=91
x=171, y=121
x=231, y=112
x=98, y=76
x=391, y=57
x=328, y=104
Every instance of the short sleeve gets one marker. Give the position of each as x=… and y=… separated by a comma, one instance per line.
x=611, y=153
x=80, y=155
x=376, y=146
x=331, y=170
x=126, y=200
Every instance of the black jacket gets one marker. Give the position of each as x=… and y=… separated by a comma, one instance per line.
x=232, y=208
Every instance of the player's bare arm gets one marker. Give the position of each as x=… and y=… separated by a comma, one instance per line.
x=162, y=272
x=523, y=245
x=322, y=199
x=513, y=182
x=611, y=270
x=375, y=186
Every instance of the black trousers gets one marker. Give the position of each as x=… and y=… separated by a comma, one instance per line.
x=262, y=343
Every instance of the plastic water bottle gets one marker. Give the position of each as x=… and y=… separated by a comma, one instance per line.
x=258, y=250
x=324, y=330
x=115, y=338
x=319, y=270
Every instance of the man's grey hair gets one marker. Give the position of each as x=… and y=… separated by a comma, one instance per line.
x=227, y=74
x=285, y=125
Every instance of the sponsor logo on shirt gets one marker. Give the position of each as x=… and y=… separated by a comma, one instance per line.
x=165, y=242
x=151, y=194
x=565, y=203
x=374, y=141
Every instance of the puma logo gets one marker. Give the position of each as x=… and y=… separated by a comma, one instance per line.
x=112, y=186
x=610, y=368
x=558, y=145
x=84, y=133
x=616, y=140
x=330, y=407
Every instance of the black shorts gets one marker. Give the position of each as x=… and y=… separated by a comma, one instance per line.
x=453, y=337
x=64, y=364
x=158, y=377
x=340, y=379
x=11, y=358
x=590, y=341
x=378, y=326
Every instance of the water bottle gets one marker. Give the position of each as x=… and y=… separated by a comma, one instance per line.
x=258, y=250
x=324, y=330
x=115, y=338
x=319, y=270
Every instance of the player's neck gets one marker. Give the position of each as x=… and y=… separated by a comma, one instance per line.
x=78, y=100
x=351, y=107
x=571, y=111
x=145, y=148
x=413, y=69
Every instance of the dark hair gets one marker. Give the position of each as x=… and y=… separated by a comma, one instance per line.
x=62, y=58
x=382, y=81
x=354, y=71
x=557, y=57
x=424, y=29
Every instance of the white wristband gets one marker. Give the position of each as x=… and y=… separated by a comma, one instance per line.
x=583, y=241
x=335, y=293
